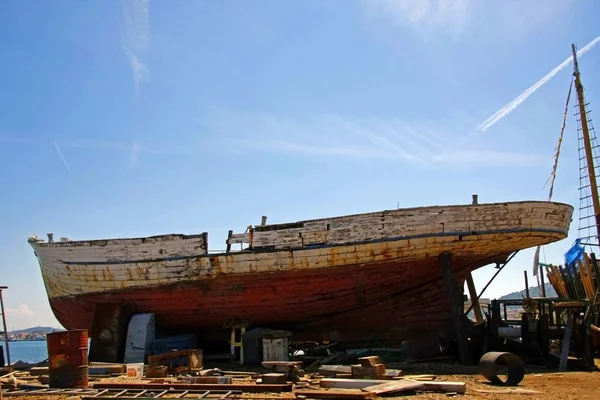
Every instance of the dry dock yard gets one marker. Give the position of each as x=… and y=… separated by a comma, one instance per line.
x=532, y=347
x=427, y=380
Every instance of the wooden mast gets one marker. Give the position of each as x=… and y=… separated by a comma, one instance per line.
x=587, y=142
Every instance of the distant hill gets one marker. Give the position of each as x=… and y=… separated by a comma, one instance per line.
x=533, y=292
x=37, y=329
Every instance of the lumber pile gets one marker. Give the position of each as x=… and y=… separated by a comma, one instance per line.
x=372, y=378
x=575, y=281
x=363, y=381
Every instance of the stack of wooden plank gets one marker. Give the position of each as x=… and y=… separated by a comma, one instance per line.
x=576, y=281
x=372, y=378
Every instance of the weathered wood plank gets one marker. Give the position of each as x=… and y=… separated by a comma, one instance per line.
x=87, y=267
x=66, y=279
x=445, y=387
x=394, y=387
x=336, y=395
x=333, y=383
x=380, y=225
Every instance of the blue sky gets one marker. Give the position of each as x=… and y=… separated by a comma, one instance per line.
x=147, y=117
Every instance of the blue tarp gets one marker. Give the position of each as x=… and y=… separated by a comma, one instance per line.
x=574, y=253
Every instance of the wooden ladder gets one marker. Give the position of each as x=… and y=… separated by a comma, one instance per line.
x=4, y=330
x=126, y=393
x=146, y=394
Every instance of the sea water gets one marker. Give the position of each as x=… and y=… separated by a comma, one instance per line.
x=29, y=351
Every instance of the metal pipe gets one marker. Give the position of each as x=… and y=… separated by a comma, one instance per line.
x=490, y=362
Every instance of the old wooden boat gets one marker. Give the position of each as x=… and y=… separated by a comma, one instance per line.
x=343, y=278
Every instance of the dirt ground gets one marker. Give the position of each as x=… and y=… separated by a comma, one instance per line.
x=563, y=386
x=551, y=384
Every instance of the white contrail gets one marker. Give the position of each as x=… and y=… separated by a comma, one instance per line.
x=507, y=109
x=62, y=157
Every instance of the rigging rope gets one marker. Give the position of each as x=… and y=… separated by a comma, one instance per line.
x=560, y=138
x=552, y=178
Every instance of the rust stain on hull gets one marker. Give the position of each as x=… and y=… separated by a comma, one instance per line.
x=367, y=284
x=385, y=296
x=356, y=302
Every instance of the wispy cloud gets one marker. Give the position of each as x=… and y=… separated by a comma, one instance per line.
x=124, y=147
x=432, y=18
x=62, y=157
x=136, y=38
x=133, y=154
x=164, y=149
x=446, y=16
x=355, y=138
x=140, y=72
x=9, y=138
x=508, y=108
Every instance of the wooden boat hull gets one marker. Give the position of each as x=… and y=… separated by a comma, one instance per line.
x=384, y=287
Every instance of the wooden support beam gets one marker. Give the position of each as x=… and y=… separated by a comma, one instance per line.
x=595, y=268
x=394, y=387
x=333, y=383
x=474, y=299
x=444, y=387
x=229, y=235
x=566, y=343
x=338, y=395
x=526, y=284
x=456, y=308
x=542, y=272
x=499, y=268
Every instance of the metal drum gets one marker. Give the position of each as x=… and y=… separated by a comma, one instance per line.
x=515, y=369
x=68, y=358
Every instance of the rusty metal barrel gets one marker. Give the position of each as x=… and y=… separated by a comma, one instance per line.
x=491, y=362
x=68, y=359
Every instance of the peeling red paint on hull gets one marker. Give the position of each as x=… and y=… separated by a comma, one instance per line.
x=349, y=303
x=357, y=276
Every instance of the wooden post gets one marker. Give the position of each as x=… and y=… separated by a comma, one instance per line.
x=456, y=308
x=588, y=353
x=474, y=299
x=543, y=335
x=587, y=144
x=526, y=284
x=566, y=343
x=595, y=269
x=205, y=237
x=542, y=271
x=229, y=235
x=596, y=272
x=5, y=328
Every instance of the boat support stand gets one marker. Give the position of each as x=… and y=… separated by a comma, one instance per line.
x=456, y=309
